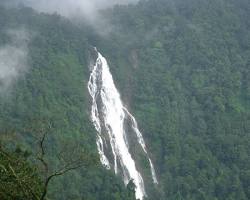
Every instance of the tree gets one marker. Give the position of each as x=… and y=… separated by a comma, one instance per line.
x=70, y=159
x=131, y=188
x=18, y=179
x=21, y=180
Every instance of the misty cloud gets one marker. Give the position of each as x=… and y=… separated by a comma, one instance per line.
x=13, y=58
x=86, y=10
x=69, y=8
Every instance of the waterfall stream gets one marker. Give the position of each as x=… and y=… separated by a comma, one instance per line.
x=108, y=115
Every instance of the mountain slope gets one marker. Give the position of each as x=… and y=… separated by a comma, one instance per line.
x=53, y=89
x=182, y=67
x=187, y=75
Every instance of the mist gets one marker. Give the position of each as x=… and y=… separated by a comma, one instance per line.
x=13, y=58
x=71, y=8
x=87, y=11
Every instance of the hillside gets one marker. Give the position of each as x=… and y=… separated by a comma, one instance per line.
x=182, y=67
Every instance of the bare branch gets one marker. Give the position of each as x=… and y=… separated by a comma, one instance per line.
x=70, y=157
x=41, y=156
x=58, y=173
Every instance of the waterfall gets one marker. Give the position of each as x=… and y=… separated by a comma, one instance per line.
x=108, y=115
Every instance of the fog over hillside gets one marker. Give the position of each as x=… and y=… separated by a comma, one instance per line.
x=68, y=8
x=83, y=10
x=13, y=57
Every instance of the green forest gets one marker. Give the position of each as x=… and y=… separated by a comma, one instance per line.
x=181, y=66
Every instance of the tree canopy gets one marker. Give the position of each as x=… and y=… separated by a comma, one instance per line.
x=183, y=68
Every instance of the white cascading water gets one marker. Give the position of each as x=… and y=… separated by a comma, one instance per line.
x=108, y=115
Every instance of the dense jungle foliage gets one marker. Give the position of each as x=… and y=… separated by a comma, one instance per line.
x=17, y=177
x=54, y=90
x=183, y=69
